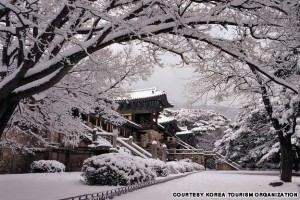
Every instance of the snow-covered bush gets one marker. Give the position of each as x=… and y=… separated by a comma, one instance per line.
x=177, y=166
x=186, y=165
x=116, y=169
x=190, y=166
x=196, y=166
x=48, y=166
x=159, y=167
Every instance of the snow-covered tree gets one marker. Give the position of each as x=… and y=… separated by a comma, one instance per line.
x=262, y=59
x=90, y=87
x=252, y=142
x=41, y=41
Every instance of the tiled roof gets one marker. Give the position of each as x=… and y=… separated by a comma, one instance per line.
x=146, y=94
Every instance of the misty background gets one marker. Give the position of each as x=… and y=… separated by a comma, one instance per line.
x=172, y=80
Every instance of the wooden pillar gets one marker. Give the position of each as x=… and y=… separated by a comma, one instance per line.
x=100, y=123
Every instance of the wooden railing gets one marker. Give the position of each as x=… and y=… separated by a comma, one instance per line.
x=185, y=151
x=228, y=161
x=131, y=148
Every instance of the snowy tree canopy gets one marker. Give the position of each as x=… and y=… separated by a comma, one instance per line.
x=261, y=58
x=89, y=87
x=41, y=41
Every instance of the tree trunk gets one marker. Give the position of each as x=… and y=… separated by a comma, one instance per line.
x=286, y=159
x=7, y=108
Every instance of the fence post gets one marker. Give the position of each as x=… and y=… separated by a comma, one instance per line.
x=154, y=149
x=164, y=153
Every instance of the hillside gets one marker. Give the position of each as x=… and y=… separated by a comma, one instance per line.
x=201, y=127
x=227, y=111
x=252, y=142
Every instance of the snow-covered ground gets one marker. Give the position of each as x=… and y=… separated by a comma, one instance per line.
x=45, y=186
x=62, y=185
x=215, y=182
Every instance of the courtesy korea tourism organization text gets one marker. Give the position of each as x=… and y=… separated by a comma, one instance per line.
x=231, y=195
x=235, y=195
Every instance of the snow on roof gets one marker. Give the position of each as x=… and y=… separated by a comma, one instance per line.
x=184, y=128
x=164, y=119
x=142, y=93
x=145, y=95
x=203, y=128
x=185, y=132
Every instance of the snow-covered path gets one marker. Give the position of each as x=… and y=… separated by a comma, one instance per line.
x=215, y=182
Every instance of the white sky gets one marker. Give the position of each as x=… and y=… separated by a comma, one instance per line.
x=172, y=80
x=168, y=79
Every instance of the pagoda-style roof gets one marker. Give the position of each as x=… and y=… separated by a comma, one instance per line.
x=164, y=119
x=170, y=124
x=184, y=131
x=135, y=100
x=145, y=95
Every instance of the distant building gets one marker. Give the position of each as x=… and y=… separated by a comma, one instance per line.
x=143, y=107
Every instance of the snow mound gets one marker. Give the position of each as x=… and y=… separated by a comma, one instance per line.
x=116, y=169
x=161, y=169
x=48, y=166
x=183, y=166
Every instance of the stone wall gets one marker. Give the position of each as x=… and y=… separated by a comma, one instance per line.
x=224, y=166
x=6, y=158
x=197, y=158
x=20, y=163
x=75, y=160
